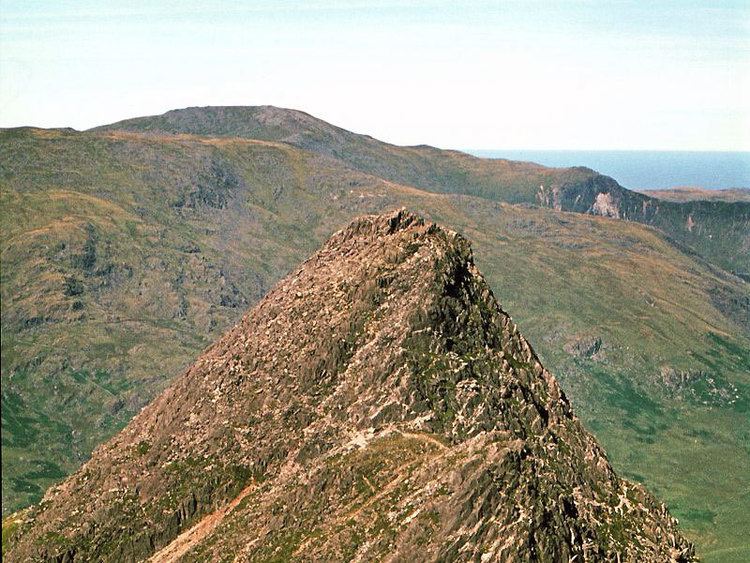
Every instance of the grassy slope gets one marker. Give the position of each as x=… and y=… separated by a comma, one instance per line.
x=693, y=194
x=718, y=231
x=123, y=256
x=420, y=166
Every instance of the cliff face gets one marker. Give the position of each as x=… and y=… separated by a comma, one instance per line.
x=377, y=403
x=714, y=229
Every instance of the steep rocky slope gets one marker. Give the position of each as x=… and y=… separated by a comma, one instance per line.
x=124, y=255
x=718, y=231
x=376, y=403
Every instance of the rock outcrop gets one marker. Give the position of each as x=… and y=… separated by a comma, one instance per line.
x=377, y=404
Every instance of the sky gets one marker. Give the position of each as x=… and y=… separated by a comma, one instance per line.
x=583, y=75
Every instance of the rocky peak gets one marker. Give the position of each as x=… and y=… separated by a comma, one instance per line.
x=377, y=403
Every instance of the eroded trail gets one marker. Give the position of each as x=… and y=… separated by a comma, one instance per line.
x=193, y=536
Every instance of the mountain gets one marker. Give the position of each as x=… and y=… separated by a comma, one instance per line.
x=420, y=166
x=377, y=402
x=125, y=254
x=717, y=230
x=693, y=194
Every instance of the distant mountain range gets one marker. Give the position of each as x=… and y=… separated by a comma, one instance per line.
x=646, y=169
x=128, y=249
x=681, y=194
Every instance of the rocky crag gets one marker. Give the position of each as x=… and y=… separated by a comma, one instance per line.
x=376, y=404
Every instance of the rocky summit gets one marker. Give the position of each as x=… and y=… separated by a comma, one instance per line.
x=377, y=404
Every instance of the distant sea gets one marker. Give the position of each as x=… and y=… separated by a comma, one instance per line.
x=647, y=169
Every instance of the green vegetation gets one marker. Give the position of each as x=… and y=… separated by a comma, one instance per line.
x=10, y=526
x=715, y=229
x=41, y=444
x=697, y=194
x=123, y=256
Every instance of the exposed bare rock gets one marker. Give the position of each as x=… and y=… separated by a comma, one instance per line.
x=376, y=405
x=605, y=205
x=585, y=347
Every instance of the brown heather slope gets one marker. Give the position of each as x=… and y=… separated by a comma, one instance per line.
x=696, y=194
x=719, y=231
x=378, y=403
x=422, y=166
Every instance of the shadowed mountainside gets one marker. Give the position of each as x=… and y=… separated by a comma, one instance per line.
x=376, y=403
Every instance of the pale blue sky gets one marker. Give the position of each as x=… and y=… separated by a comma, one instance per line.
x=534, y=75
